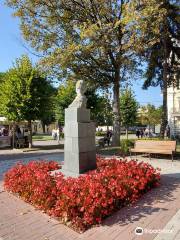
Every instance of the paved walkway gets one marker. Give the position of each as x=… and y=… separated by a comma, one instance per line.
x=41, y=148
x=157, y=213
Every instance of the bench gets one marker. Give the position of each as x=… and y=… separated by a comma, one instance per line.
x=150, y=146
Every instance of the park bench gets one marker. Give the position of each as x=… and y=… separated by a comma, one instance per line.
x=154, y=147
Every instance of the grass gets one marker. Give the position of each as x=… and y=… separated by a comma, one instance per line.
x=42, y=137
x=178, y=148
x=109, y=151
x=46, y=147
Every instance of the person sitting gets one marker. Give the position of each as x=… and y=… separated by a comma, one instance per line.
x=18, y=133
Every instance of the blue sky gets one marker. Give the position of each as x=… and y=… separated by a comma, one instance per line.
x=11, y=47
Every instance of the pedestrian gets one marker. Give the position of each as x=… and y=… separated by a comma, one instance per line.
x=142, y=133
x=108, y=135
x=54, y=134
x=18, y=133
x=168, y=131
x=137, y=133
x=146, y=132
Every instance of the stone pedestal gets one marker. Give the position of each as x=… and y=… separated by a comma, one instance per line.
x=79, y=152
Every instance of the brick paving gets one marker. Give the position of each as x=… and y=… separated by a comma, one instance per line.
x=157, y=209
x=173, y=227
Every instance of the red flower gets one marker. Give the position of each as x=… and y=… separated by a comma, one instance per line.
x=86, y=200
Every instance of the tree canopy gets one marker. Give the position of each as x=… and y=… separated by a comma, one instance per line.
x=65, y=95
x=26, y=92
x=163, y=56
x=150, y=115
x=129, y=107
x=95, y=40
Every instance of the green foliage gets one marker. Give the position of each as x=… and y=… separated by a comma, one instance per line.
x=65, y=95
x=150, y=115
x=25, y=94
x=129, y=107
x=1, y=77
x=126, y=144
x=47, y=115
x=163, y=56
x=101, y=109
x=165, y=48
x=101, y=134
x=1, y=81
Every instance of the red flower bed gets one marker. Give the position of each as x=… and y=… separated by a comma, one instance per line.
x=88, y=199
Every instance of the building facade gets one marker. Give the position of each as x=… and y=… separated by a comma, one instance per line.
x=174, y=111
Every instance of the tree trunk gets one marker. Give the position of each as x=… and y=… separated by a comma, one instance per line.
x=116, y=111
x=43, y=127
x=127, y=133
x=164, y=90
x=13, y=135
x=30, y=133
x=164, y=113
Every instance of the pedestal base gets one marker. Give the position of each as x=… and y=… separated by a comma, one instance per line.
x=79, y=149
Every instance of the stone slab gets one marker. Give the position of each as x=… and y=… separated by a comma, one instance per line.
x=81, y=145
x=79, y=162
x=79, y=129
x=77, y=115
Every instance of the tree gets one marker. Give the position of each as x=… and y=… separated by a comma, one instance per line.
x=25, y=93
x=93, y=40
x=163, y=56
x=1, y=77
x=101, y=109
x=1, y=81
x=47, y=115
x=150, y=115
x=129, y=107
x=103, y=113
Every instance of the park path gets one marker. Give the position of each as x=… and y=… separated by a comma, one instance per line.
x=158, y=209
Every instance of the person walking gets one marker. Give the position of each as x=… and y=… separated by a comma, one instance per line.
x=137, y=133
x=146, y=132
x=167, y=131
x=142, y=133
x=108, y=135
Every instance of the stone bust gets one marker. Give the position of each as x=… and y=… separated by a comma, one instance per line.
x=80, y=100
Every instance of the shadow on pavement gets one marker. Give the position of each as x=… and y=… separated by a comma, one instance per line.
x=35, y=152
x=148, y=204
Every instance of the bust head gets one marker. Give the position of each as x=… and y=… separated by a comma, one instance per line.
x=80, y=87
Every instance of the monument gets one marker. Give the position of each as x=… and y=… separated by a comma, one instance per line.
x=79, y=151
